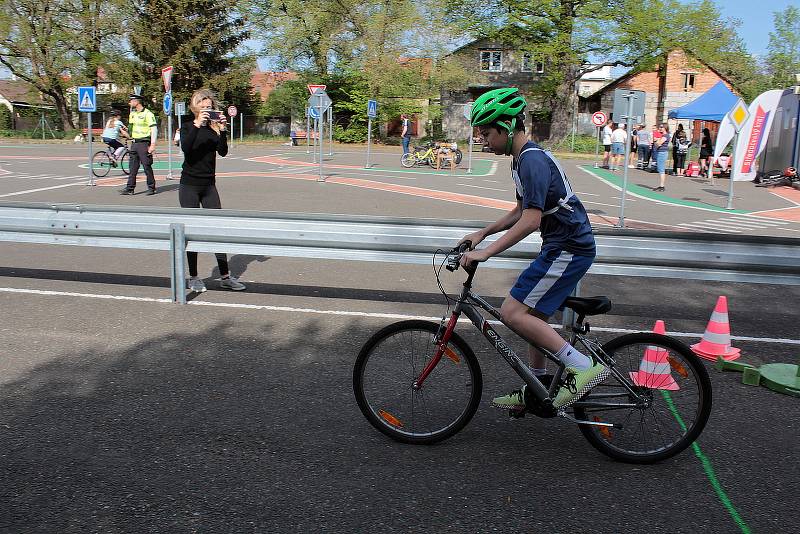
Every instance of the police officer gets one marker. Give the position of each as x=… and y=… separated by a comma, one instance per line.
x=144, y=132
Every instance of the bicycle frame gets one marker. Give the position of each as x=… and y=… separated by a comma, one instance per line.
x=466, y=304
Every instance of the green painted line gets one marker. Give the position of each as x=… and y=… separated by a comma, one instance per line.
x=708, y=468
x=616, y=180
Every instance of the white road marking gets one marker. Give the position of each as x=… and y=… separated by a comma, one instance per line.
x=40, y=189
x=348, y=313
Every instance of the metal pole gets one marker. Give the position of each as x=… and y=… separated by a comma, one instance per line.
x=732, y=164
x=321, y=135
x=89, y=135
x=597, y=148
x=177, y=247
x=330, y=131
x=308, y=132
x=469, y=156
x=369, y=139
x=169, y=145
x=314, y=142
x=233, y=132
x=241, y=127
x=631, y=97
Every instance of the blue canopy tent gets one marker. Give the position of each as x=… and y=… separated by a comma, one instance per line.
x=710, y=106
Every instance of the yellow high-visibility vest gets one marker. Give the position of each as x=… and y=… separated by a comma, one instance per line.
x=140, y=122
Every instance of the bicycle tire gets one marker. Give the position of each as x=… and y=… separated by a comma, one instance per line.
x=125, y=162
x=683, y=411
x=408, y=160
x=391, y=360
x=459, y=156
x=101, y=164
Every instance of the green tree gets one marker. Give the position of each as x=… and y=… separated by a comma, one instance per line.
x=569, y=34
x=200, y=39
x=783, y=51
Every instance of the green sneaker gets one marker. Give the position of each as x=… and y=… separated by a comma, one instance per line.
x=579, y=383
x=513, y=401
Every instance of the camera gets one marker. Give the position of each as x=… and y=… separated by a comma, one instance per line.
x=213, y=115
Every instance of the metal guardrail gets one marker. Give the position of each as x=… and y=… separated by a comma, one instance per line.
x=753, y=259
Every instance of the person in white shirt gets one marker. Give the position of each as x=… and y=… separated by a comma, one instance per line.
x=607, y=129
x=618, y=139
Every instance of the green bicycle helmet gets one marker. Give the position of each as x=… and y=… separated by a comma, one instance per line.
x=498, y=104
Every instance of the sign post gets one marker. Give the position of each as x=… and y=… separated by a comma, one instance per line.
x=232, y=111
x=372, y=112
x=633, y=97
x=168, y=111
x=321, y=103
x=598, y=119
x=87, y=102
x=738, y=116
x=180, y=111
x=468, y=116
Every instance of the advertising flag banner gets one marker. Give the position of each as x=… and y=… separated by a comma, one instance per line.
x=754, y=134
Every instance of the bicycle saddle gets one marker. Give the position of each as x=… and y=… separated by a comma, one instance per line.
x=588, y=305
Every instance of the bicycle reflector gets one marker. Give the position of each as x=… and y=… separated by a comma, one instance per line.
x=452, y=355
x=678, y=367
x=389, y=418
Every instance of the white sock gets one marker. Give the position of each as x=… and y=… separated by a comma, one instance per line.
x=572, y=357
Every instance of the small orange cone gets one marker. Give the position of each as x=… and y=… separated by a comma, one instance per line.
x=716, y=340
x=654, y=370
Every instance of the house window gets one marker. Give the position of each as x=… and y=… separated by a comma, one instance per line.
x=491, y=60
x=528, y=65
x=688, y=81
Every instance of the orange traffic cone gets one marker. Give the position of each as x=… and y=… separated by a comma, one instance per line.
x=654, y=371
x=717, y=338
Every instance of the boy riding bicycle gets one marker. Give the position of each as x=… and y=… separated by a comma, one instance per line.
x=545, y=201
x=115, y=129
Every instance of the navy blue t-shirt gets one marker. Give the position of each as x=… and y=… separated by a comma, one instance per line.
x=540, y=185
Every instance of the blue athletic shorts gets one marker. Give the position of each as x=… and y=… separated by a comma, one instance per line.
x=617, y=148
x=550, y=279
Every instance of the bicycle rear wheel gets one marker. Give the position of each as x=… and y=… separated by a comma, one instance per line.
x=125, y=162
x=101, y=163
x=673, y=405
x=386, y=369
x=408, y=160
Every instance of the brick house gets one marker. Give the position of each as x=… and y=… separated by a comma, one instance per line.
x=264, y=82
x=669, y=85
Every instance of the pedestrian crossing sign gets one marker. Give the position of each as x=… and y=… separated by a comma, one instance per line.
x=87, y=99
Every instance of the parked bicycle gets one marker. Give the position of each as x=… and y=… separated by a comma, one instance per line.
x=105, y=160
x=419, y=382
x=425, y=155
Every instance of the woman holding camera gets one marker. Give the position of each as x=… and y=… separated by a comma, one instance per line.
x=201, y=141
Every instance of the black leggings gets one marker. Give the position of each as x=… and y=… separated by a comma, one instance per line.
x=195, y=196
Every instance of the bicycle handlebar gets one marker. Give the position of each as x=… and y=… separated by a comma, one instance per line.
x=454, y=256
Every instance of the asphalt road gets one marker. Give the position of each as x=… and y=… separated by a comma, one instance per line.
x=122, y=412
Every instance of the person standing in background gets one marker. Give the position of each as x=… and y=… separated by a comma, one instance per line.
x=618, y=139
x=661, y=150
x=706, y=151
x=644, y=140
x=677, y=140
x=201, y=140
x=607, y=130
x=406, y=133
x=144, y=132
x=634, y=139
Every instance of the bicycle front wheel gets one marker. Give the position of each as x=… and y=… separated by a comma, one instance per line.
x=389, y=364
x=668, y=411
x=101, y=163
x=125, y=162
x=408, y=160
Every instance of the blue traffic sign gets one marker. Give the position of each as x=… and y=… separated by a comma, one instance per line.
x=313, y=113
x=372, y=108
x=87, y=99
x=168, y=103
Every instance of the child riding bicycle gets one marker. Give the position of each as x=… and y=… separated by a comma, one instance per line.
x=113, y=131
x=545, y=201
